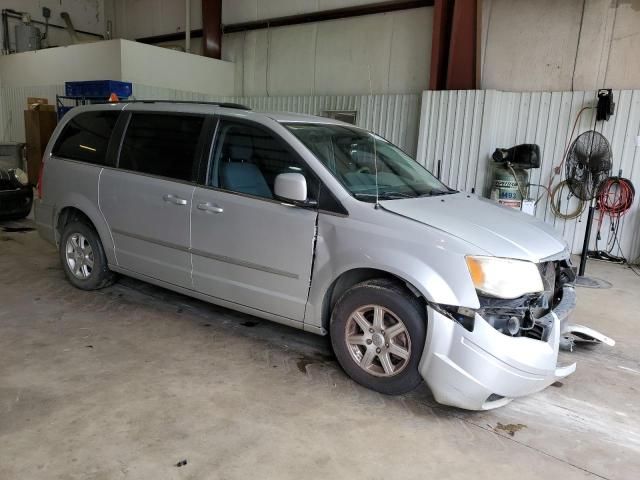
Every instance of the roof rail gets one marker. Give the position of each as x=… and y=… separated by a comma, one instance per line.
x=196, y=102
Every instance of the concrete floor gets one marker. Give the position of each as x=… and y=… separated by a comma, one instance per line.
x=128, y=381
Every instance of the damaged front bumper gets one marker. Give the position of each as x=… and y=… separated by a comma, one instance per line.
x=484, y=368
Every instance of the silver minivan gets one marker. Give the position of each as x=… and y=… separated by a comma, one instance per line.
x=319, y=225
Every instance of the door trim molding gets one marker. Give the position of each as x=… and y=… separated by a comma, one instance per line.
x=200, y=253
x=242, y=263
x=144, y=238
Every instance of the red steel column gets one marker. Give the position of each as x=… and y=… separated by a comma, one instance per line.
x=212, y=28
x=454, y=45
x=442, y=13
x=461, y=72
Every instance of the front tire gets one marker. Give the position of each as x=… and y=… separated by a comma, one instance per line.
x=378, y=331
x=83, y=259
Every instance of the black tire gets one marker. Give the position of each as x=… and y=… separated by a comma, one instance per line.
x=100, y=275
x=406, y=307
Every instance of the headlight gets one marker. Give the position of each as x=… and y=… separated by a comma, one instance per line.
x=19, y=176
x=504, y=277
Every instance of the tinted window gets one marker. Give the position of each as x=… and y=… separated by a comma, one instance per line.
x=247, y=159
x=161, y=144
x=86, y=137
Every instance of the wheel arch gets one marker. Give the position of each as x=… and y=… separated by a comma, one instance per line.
x=89, y=214
x=351, y=277
x=68, y=215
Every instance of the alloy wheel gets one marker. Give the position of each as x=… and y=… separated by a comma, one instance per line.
x=378, y=340
x=79, y=255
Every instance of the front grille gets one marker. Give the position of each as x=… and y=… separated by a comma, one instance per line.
x=537, y=332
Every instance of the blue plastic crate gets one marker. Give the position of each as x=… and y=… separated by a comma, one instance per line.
x=98, y=89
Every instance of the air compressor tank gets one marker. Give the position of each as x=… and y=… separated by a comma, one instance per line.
x=504, y=189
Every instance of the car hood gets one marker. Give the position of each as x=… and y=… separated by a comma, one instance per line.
x=498, y=230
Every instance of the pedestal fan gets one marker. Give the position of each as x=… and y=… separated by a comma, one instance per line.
x=587, y=165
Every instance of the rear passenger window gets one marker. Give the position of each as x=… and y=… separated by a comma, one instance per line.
x=86, y=137
x=162, y=144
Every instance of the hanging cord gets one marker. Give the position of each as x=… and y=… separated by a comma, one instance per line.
x=515, y=177
x=546, y=189
x=555, y=203
x=615, y=197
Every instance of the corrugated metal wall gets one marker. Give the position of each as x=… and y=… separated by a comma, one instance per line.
x=463, y=128
x=459, y=128
x=13, y=102
x=395, y=117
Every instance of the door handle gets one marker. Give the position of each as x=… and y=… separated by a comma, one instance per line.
x=173, y=199
x=207, y=207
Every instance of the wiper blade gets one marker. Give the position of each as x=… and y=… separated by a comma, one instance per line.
x=384, y=195
x=436, y=193
x=398, y=194
x=364, y=195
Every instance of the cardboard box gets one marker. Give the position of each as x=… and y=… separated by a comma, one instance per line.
x=42, y=107
x=39, y=103
x=38, y=127
x=38, y=100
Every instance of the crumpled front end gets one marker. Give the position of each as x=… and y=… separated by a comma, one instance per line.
x=504, y=350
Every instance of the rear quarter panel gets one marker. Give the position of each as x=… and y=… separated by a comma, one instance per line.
x=68, y=183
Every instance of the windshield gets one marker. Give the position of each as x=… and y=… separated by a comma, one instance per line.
x=350, y=154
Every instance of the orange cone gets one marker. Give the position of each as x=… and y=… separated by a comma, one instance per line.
x=113, y=98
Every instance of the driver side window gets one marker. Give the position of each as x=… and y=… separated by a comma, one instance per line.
x=247, y=159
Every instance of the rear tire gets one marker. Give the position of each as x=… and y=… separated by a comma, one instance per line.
x=82, y=256
x=378, y=332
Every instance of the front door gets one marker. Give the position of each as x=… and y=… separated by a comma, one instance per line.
x=147, y=199
x=248, y=247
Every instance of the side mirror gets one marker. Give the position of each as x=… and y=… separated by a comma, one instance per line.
x=291, y=186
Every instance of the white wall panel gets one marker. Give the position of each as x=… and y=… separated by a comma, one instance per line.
x=335, y=57
x=394, y=117
x=118, y=60
x=13, y=102
x=560, y=45
x=94, y=61
x=461, y=129
x=144, y=18
x=240, y=11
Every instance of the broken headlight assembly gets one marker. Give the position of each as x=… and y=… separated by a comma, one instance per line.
x=509, y=291
x=504, y=277
x=514, y=295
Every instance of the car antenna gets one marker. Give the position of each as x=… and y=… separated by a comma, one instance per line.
x=375, y=150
